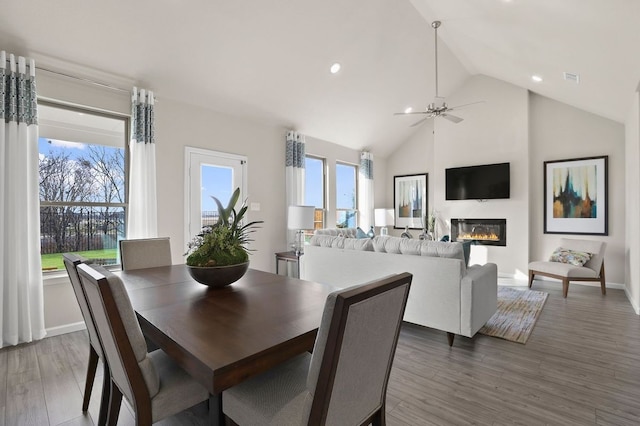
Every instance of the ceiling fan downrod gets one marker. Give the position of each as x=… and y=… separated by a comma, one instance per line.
x=435, y=25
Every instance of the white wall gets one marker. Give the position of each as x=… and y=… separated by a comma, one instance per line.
x=415, y=156
x=492, y=132
x=558, y=132
x=632, y=191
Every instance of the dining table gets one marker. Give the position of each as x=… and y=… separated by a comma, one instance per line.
x=223, y=336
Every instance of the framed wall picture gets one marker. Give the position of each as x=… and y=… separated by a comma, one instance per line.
x=575, y=196
x=409, y=201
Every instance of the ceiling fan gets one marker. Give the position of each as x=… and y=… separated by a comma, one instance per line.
x=438, y=108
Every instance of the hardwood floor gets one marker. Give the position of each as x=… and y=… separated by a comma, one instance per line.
x=581, y=366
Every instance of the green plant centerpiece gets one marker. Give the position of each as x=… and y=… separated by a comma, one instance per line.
x=219, y=255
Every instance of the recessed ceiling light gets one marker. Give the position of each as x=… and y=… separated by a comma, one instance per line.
x=536, y=78
x=335, y=68
x=408, y=110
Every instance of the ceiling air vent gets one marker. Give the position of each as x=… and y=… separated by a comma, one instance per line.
x=569, y=76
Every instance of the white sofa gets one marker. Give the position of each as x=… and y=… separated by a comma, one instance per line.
x=445, y=293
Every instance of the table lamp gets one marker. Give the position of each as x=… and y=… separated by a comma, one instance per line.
x=382, y=218
x=300, y=218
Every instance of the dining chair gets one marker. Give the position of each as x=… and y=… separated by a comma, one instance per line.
x=344, y=381
x=71, y=262
x=145, y=253
x=153, y=384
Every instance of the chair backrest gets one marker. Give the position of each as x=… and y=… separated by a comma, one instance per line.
x=71, y=262
x=590, y=246
x=355, y=346
x=119, y=331
x=145, y=253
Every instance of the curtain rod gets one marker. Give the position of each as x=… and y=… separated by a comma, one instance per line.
x=86, y=80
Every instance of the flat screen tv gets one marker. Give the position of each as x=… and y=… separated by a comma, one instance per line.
x=485, y=182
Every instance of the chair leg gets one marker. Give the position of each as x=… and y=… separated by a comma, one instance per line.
x=531, y=275
x=379, y=418
x=115, y=400
x=216, y=416
x=602, y=280
x=106, y=392
x=450, y=337
x=91, y=374
x=565, y=287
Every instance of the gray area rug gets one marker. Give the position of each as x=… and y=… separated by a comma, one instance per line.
x=517, y=313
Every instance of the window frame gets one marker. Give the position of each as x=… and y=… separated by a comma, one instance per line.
x=125, y=205
x=356, y=168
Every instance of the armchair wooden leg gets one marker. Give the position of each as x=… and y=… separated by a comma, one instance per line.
x=450, y=337
x=565, y=287
x=115, y=400
x=602, y=280
x=106, y=392
x=91, y=374
x=531, y=275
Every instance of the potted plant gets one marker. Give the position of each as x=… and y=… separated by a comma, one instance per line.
x=219, y=255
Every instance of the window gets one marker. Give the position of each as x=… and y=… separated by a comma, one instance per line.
x=346, y=195
x=83, y=201
x=314, y=188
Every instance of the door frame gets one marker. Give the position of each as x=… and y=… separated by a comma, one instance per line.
x=190, y=151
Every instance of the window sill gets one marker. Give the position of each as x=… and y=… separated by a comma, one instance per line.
x=61, y=277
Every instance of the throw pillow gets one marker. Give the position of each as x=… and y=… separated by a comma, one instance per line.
x=360, y=233
x=573, y=257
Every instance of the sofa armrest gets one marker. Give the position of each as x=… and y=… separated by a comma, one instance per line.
x=478, y=297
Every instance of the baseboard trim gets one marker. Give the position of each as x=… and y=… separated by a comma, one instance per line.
x=64, y=329
x=634, y=305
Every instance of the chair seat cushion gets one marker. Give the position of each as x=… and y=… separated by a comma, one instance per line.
x=274, y=397
x=178, y=390
x=563, y=269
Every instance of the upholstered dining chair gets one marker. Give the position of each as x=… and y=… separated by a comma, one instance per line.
x=71, y=262
x=344, y=381
x=153, y=384
x=145, y=253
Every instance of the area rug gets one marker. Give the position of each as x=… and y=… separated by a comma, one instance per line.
x=517, y=313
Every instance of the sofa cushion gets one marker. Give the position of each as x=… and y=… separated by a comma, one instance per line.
x=363, y=244
x=322, y=240
x=573, y=257
x=337, y=232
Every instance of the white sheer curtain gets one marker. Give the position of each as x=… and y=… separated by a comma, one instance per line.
x=143, y=215
x=365, y=191
x=21, y=304
x=294, y=173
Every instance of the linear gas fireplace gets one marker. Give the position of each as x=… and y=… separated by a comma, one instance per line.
x=489, y=232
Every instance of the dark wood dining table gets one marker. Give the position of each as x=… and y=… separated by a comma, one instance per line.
x=224, y=336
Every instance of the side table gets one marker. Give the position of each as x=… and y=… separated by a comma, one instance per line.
x=288, y=256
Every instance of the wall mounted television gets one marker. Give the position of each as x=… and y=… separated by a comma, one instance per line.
x=483, y=182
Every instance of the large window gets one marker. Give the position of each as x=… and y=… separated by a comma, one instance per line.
x=346, y=195
x=82, y=184
x=314, y=192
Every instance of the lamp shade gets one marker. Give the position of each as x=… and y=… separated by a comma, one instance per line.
x=383, y=217
x=300, y=217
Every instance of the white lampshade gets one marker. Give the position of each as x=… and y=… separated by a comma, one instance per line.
x=300, y=217
x=383, y=217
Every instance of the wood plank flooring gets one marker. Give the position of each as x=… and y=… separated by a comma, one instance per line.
x=581, y=366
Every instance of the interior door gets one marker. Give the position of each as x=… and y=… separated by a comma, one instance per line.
x=210, y=174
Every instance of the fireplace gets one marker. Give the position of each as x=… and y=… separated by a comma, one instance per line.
x=489, y=232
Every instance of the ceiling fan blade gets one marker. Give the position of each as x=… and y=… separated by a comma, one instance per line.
x=466, y=105
x=410, y=113
x=451, y=118
x=420, y=121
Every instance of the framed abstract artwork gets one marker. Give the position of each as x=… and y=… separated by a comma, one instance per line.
x=575, y=196
x=409, y=201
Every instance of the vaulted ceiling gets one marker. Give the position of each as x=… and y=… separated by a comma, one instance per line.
x=269, y=60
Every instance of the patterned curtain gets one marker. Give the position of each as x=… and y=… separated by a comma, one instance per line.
x=143, y=216
x=365, y=191
x=295, y=173
x=21, y=306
